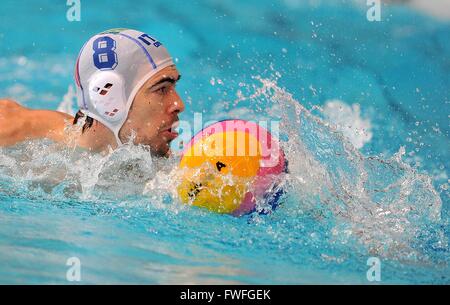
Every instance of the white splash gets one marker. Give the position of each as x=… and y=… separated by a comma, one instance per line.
x=67, y=103
x=348, y=120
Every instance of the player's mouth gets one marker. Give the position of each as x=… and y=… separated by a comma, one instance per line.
x=170, y=132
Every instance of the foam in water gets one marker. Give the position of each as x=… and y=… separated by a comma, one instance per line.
x=68, y=102
x=348, y=120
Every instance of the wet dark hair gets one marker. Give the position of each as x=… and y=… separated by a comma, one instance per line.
x=87, y=124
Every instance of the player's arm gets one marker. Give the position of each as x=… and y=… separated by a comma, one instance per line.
x=18, y=123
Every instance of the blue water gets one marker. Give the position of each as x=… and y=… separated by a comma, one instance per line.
x=349, y=197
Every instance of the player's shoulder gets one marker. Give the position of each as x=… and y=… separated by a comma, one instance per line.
x=8, y=103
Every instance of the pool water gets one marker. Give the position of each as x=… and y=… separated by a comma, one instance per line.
x=363, y=111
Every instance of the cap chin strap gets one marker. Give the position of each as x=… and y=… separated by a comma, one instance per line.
x=119, y=142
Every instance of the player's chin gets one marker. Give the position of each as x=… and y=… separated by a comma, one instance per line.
x=162, y=150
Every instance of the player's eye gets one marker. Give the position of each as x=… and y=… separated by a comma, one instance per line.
x=162, y=90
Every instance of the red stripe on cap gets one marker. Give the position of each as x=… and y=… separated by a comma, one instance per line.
x=77, y=72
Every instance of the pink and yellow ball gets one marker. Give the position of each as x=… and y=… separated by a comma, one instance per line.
x=230, y=166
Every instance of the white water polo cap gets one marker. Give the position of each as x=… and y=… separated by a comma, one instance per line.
x=111, y=68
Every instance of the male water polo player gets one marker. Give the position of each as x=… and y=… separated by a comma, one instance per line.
x=125, y=83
